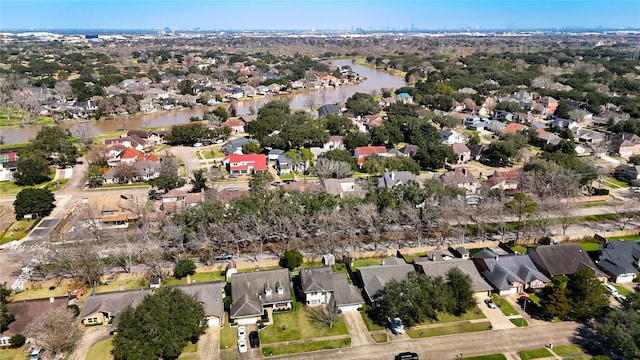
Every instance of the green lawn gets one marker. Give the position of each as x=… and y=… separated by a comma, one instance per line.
x=228, y=336
x=448, y=330
x=504, y=305
x=190, y=348
x=13, y=354
x=371, y=325
x=305, y=347
x=128, y=284
x=197, y=277
x=487, y=357
x=101, y=350
x=379, y=338
x=521, y=322
x=621, y=289
x=210, y=154
x=443, y=317
x=17, y=230
x=366, y=262
x=534, y=354
x=567, y=349
x=615, y=183
x=295, y=325
x=628, y=237
x=589, y=246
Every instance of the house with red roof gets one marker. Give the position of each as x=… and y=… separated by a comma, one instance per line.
x=512, y=128
x=245, y=163
x=505, y=180
x=236, y=126
x=362, y=152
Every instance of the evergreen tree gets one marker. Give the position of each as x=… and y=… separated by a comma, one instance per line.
x=556, y=303
x=587, y=296
x=460, y=285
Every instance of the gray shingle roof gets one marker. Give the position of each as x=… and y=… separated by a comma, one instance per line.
x=209, y=294
x=344, y=293
x=113, y=302
x=249, y=291
x=506, y=270
x=375, y=277
x=617, y=257
x=440, y=268
x=562, y=259
x=316, y=279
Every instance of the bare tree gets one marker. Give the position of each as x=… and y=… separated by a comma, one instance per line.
x=83, y=132
x=56, y=330
x=62, y=89
x=312, y=99
x=325, y=315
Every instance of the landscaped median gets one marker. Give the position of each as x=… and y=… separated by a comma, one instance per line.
x=302, y=347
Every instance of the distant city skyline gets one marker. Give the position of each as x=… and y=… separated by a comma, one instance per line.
x=318, y=15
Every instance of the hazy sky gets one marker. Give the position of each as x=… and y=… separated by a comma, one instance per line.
x=319, y=15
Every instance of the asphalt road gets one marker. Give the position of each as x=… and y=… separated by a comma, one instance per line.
x=448, y=347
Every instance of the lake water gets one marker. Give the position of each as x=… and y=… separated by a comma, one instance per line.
x=375, y=82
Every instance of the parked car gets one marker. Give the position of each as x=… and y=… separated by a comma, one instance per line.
x=242, y=332
x=490, y=303
x=225, y=256
x=197, y=144
x=36, y=353
x=254, y=339
x=242, y=345
x=610, y=288
x=407, y=356
x=621, y=298
x=233, y=189
x=397, y=327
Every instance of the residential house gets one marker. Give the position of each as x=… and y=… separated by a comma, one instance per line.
x=502, y=114
x=284, y=165
x=329, y=109
x=142, y=170
x=235, y=93
x=249, y=91
x=564, y=124
x=512, y=128
x=373, y=278
x=509, y=274
x=343, y=187
x=245, y=164
x=589, y=136
x=410, y=150
x=463, y=153
x=371, y=121
x=548, y=140
x=319, y=285
x=428, y=267
x=273, y=154
x=452, y=137
x=404, y=98
x=625, y=144
x=563, y=259
x=150, y=137
x=25, y=311
x=262, y=90
x=549, y=104
x=210, y=295
x=105, y=308
x=393, y=178
x=461, y=178
x=628, y=171
x=388, y=101
x=362, y=152
x=5, y=174
x=107, y=211
x=503, y=180
x=477, y=150
x=236, y=126
x=494, y=126
x=235, y=146
x=334, y=143
x=180, y=200
x=620, y=260
x=253, y=293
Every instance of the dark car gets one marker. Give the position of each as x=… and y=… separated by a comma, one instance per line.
x=254, y=339
x=224, y=256
x=407, y=356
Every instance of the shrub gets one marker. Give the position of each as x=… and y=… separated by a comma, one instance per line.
x=292, y=259
x=74, y=309
x=17, y=340
x=184, y=268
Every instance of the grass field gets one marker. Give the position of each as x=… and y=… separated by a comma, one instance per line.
x=197, y=277
x=534, y=354
x=589, y=246
x=371, y=325
x=567, y=349
x=521, y=322
x=448, y=330
x=295, y=325
x=366, y=262
x=487, y=357
x=305, y=347
x=17, y=230
x=13, y=354
x=504, y=305
x=628, y=237
x=127, y=284
x=379, y=338
x=101, y=350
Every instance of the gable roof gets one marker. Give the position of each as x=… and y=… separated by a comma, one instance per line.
x=113, y=303
x=249, y=295
x=259, y=160
x=440, y=268
x=25, y=311
x=375, y=277
x=209, y=294
x=562, y=259
x=460, y=149
x=328, y=109
x=345, y=293
x=618, y=257
x=393, y=178
x=234, y=145
x=316, y=279
x=503, y=271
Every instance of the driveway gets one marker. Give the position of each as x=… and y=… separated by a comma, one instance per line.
x=357, y=329
x=90, y=336
x=495, y=316
x=209, y=344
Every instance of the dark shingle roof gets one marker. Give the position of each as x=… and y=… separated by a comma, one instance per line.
x=248, y=291
x=113, y=302
x=375, y=277
x=345, y=294
x=209, y=294
x=440, y=268
x=502, y=272
x=562, y=259
x=328, y=109
x=316, y=279
x=618, y=257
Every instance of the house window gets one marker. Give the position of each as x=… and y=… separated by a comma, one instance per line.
x=4, y=342
x=92, y=320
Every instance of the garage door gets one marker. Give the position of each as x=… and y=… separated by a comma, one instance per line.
x=213, y=322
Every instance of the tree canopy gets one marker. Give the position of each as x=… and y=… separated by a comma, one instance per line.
x=160, y=327
x=33, y=201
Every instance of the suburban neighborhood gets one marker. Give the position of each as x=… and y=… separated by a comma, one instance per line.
x=227, y=200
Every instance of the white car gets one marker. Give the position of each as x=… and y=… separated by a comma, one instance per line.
x=242, y=332
x=242, y=346
x=621, y=298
